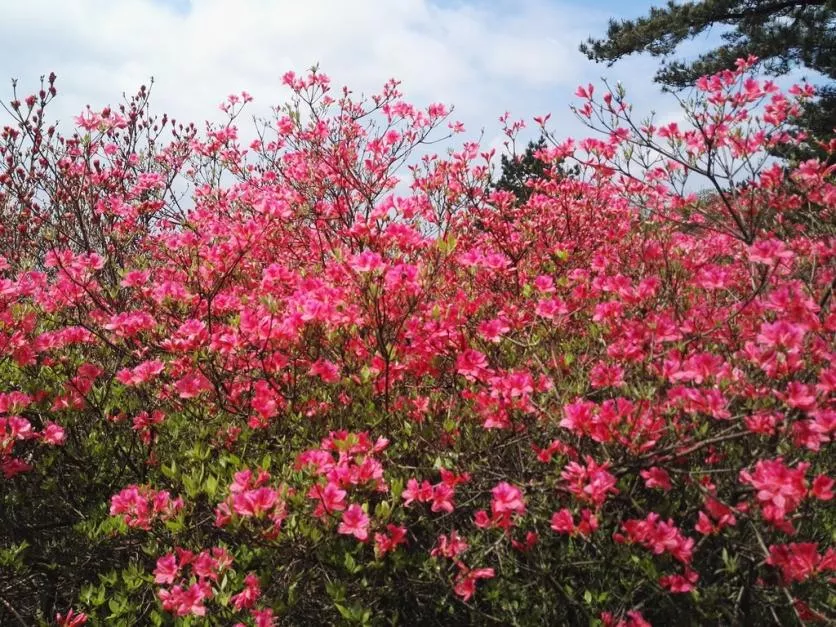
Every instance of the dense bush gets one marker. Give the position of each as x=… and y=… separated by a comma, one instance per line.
x=285, y=383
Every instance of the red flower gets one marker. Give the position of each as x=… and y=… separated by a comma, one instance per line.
x=355, y=523
x=449, y=546
x=53, y=434
x=471, y=364
x=465, y=585
x=442, y=498
x=331, y=498
x=780, y=488
x=386, y=542
x=679, y=583
x=562, y=521
x=71, y=619
x=415, y=492
x=254, y=502
x=166, y=570
x=249, y=595
x=592, y=483
x=507, y=499
x=655, y=477
x=800, y=561
x=658, y=536
x=822, y=488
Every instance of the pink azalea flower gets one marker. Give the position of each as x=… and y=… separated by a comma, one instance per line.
x=442, y=498
x=449, y=546
x=655, y=477
x=465, y=585
x=166, y=570
x=71, y=619
x=562, y=522
x=507, y=499
x=53, y=434
x=331, y=498
x=355, y=522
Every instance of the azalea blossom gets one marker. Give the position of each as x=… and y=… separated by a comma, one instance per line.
x=355, y=522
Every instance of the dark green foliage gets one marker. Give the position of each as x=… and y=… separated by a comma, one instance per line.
x=519, y=171
x=516, y=172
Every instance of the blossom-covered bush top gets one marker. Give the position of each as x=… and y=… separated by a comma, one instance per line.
x=327, y=378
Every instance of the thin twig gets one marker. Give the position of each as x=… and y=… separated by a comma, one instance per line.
x=14, y=612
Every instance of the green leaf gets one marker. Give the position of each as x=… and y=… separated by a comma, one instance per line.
x=397, y=486
x=335, y=590
x=116, y=605
x=210, y=486
x=382, y=510
x=350, y=563
x=344, y=611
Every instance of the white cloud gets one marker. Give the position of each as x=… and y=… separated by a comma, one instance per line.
x=483, y=57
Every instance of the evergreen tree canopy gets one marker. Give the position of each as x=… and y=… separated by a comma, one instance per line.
x=518, y=171
x=783, y=34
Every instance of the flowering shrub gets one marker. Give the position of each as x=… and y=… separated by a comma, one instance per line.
x=321, y=392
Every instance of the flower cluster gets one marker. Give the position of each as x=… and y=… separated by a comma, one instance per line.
x=658, y=536
x=563, y=522
x=140, y=506
x=194, y=575
x=251, y=498
x=507, y=503
x=450, y=547
x=799, y=561
x=781, y=489
x=15, y=428
x=441, y=495
x=592, y=483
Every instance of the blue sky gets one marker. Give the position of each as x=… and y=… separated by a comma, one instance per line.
x=482, y=56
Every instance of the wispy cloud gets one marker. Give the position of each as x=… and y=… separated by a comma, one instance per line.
x=483, y=57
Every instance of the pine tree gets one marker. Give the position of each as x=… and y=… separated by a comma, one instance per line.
x=783, y=34
x=517, y=172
